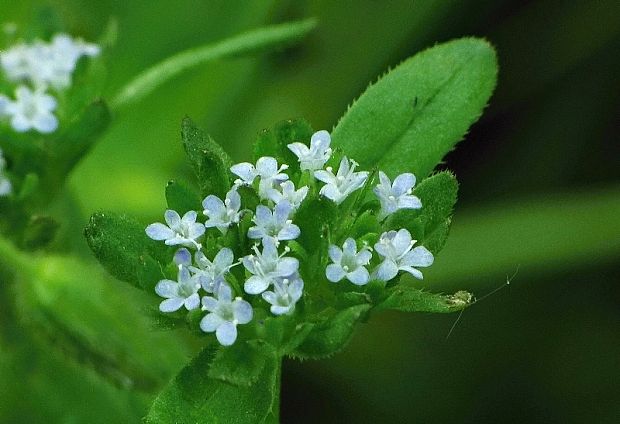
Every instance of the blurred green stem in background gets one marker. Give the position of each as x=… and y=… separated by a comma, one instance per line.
x=264, y=38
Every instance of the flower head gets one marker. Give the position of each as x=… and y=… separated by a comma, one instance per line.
x=211, y=274
x=397, y=195
x=267, y=266
x=224, y=315
x=31, y=110
x=179, y=231
x=276, y=225
x=286, y=191
x=348, y=263
x=286, y=292
x=266, y=169
x=396, y=249
x=313, y=158
x=346, y=181
x=183, y=292
x=222, y=214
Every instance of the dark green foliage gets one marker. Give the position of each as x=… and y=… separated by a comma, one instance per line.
x=331, y=336
x=274, y=142
x=239, y=364
x=123, y=248
x=182, y=198
x=313, y=218
x=409, y=299
x=39, y=232
x=210, y=162
x=430, y=225
x=416, y=113
x=193, y=397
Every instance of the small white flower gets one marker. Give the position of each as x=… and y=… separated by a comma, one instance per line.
x=313, y=158
x=267, y=266
x=224, y=315
x=346, y=181
x=396, y=249
x=397, y=195
x=287, y=192
x=349, y=263
x=17, y=61
x=266, y=169
x=181, y=293
x=32, y=110
x=222, y=214
x=179, y=231
x=286, y=293
x=5, y=185
x=276, y=225
x=211, y=274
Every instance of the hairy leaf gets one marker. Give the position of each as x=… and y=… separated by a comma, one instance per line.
x=193, y=397
x=416, y=113
x=409, y=299
x=210, y=162
x=274, y=142
x=239, y=364
x=331, y=336
x=182, y=198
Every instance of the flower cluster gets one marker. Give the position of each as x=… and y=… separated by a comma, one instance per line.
x=269, y=268
x=38, y=69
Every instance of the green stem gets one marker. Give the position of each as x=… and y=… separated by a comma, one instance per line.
x=249, y=42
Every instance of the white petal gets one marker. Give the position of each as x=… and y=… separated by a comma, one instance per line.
x=409, y=202
x=349, y=248
x=420, y=256
x=334, y=273
x=213, y=205
x=263, y=215
x=171, y=305
x=324, y=176
x=364, y=256
x=167, y=288
x=210, y=323
x=224, y=258
x=335, y=253
x=415, y=272
x=226, y=333
x=267, y=166
x=242, y=311
x=332, y=193
x=287, y=266
x=209, y=303
x=289, y=232
x=299, y=149
x=255, y=285
x=172, y=219
x=320, y=140
x=192, y=302
x=359, y=277
x=224, y=294
x=45, y=123
x=159, y=231
x=245, y=171
x=401, y=241
x=270, y=297
x=387, y=270
x=403, y=183
x=281, y=310
x=183, y=257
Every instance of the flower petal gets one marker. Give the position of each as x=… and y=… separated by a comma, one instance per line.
x=245, y=171
x=403, y=183
x=171, y=305
x=183, y=257
x=192, y=302
x=335, y=253
x=255, y=285
x=211, y=322
x=242, y=311
x=159, y=231
x=387, y=270
x=172, y=219
x=167, y=288
x=359, y=277
x=226, y=333
x=334, y=273
x=420, y=256
x=209, y=303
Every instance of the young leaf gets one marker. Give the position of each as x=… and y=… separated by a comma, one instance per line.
x=313, y=217
x=210, y=162
x=193, y=397
x=430, y=224
x=122, y=247
x=331, y=336
x=249, y=42
x=239, y=364
x=275, y=142
x=416, y=113
x=409, y=299
x=181, y=198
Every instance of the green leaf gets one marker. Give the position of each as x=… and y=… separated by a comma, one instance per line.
x=416, y=113
x=181, y=198
x=313, y=217
x=263, y=38
x=408, y=299
x=123, y=248
x=210, y=162
x=274, y=142
x=331, y=336
x=239, y=364
x=193, y=397
x=430, y=224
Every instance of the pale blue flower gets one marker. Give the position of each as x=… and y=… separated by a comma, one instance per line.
x=276, y=224
x=183, y=292
x=222, y=215
x=348, y=263
x=397, y=195
x=267, y=266
x=316, y=155
x=211, y=273
x=286, y=191
x=224, y=315
x=179, y=231
x=286, y=292
x=266, y=169
x=32, y=110
x=338, y=187
x=396, y=249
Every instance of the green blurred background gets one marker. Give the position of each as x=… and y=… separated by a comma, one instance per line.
x=540, y=192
